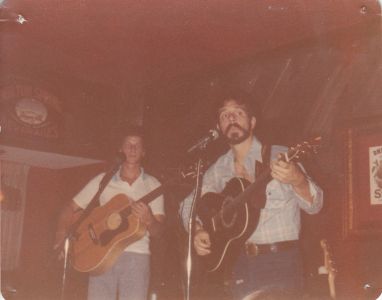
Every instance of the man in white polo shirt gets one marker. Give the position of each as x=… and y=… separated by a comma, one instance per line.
x=128, y=278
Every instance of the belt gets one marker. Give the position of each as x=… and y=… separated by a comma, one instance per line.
x=252, y=249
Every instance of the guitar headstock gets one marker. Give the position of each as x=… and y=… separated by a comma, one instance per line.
x=192, y=170
x=328, y=257
x=303, y=149
x=188, y=173
x=180, y=176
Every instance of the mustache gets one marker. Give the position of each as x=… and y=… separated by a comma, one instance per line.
x=233, y=125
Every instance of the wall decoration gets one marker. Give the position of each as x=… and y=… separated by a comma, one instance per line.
x=30, y=111
x=363, y=173
x=375, y=176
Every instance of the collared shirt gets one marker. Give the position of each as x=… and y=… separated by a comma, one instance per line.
x=140, y=187
x=280, y=218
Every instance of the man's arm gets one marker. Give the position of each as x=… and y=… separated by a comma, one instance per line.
x=291, y=173
x=67, y=216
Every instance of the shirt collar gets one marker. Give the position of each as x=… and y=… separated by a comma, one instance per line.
x=255, y=150
x=141, y=176
x=253, y=153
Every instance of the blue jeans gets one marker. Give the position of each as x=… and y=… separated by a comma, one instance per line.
x=279, y=271
x=128, y=279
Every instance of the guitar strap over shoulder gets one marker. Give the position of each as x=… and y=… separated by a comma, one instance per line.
x=259, y=198
x=265, y=157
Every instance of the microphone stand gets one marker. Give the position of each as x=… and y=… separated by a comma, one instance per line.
x=71, y=233
x=191, y=222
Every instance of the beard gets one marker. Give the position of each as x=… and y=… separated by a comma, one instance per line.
x=236, y=137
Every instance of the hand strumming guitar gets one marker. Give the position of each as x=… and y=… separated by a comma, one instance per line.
x=202, y=242
x=143, y=212
x=153, y=223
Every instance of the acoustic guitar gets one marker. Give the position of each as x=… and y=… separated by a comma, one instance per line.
x=228, y=217
x=106, y=232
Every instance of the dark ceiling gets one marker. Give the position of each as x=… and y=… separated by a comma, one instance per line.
x=160, y=62
x=136, y=43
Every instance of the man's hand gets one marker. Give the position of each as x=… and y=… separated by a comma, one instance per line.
x=154, y=224
x=291, y=173
x=287, y=172
x=202, y=242
x=143, y=212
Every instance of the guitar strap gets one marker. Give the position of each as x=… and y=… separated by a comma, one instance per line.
x=259, y=197
x=266, y=159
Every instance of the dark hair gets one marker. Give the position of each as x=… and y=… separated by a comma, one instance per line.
x=241, y=98
x=131, y=130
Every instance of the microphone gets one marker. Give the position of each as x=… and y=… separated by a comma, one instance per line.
x=212, y=135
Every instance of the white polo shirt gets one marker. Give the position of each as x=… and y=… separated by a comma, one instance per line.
x=141, y=186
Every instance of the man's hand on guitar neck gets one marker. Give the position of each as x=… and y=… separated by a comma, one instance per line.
x=291, y=173
x=202, y=242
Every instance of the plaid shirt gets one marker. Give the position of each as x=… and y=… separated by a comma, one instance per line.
x=280, y=218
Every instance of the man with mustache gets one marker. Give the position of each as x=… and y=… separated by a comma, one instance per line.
x=270, y=258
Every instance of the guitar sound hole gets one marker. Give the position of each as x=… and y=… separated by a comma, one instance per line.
x=228, y=216
x=108, y=235
x=114, y=221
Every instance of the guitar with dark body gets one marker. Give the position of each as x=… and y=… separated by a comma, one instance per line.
x=232, y=216
x=228, y=221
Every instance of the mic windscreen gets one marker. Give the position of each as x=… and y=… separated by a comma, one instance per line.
x=215, y=134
